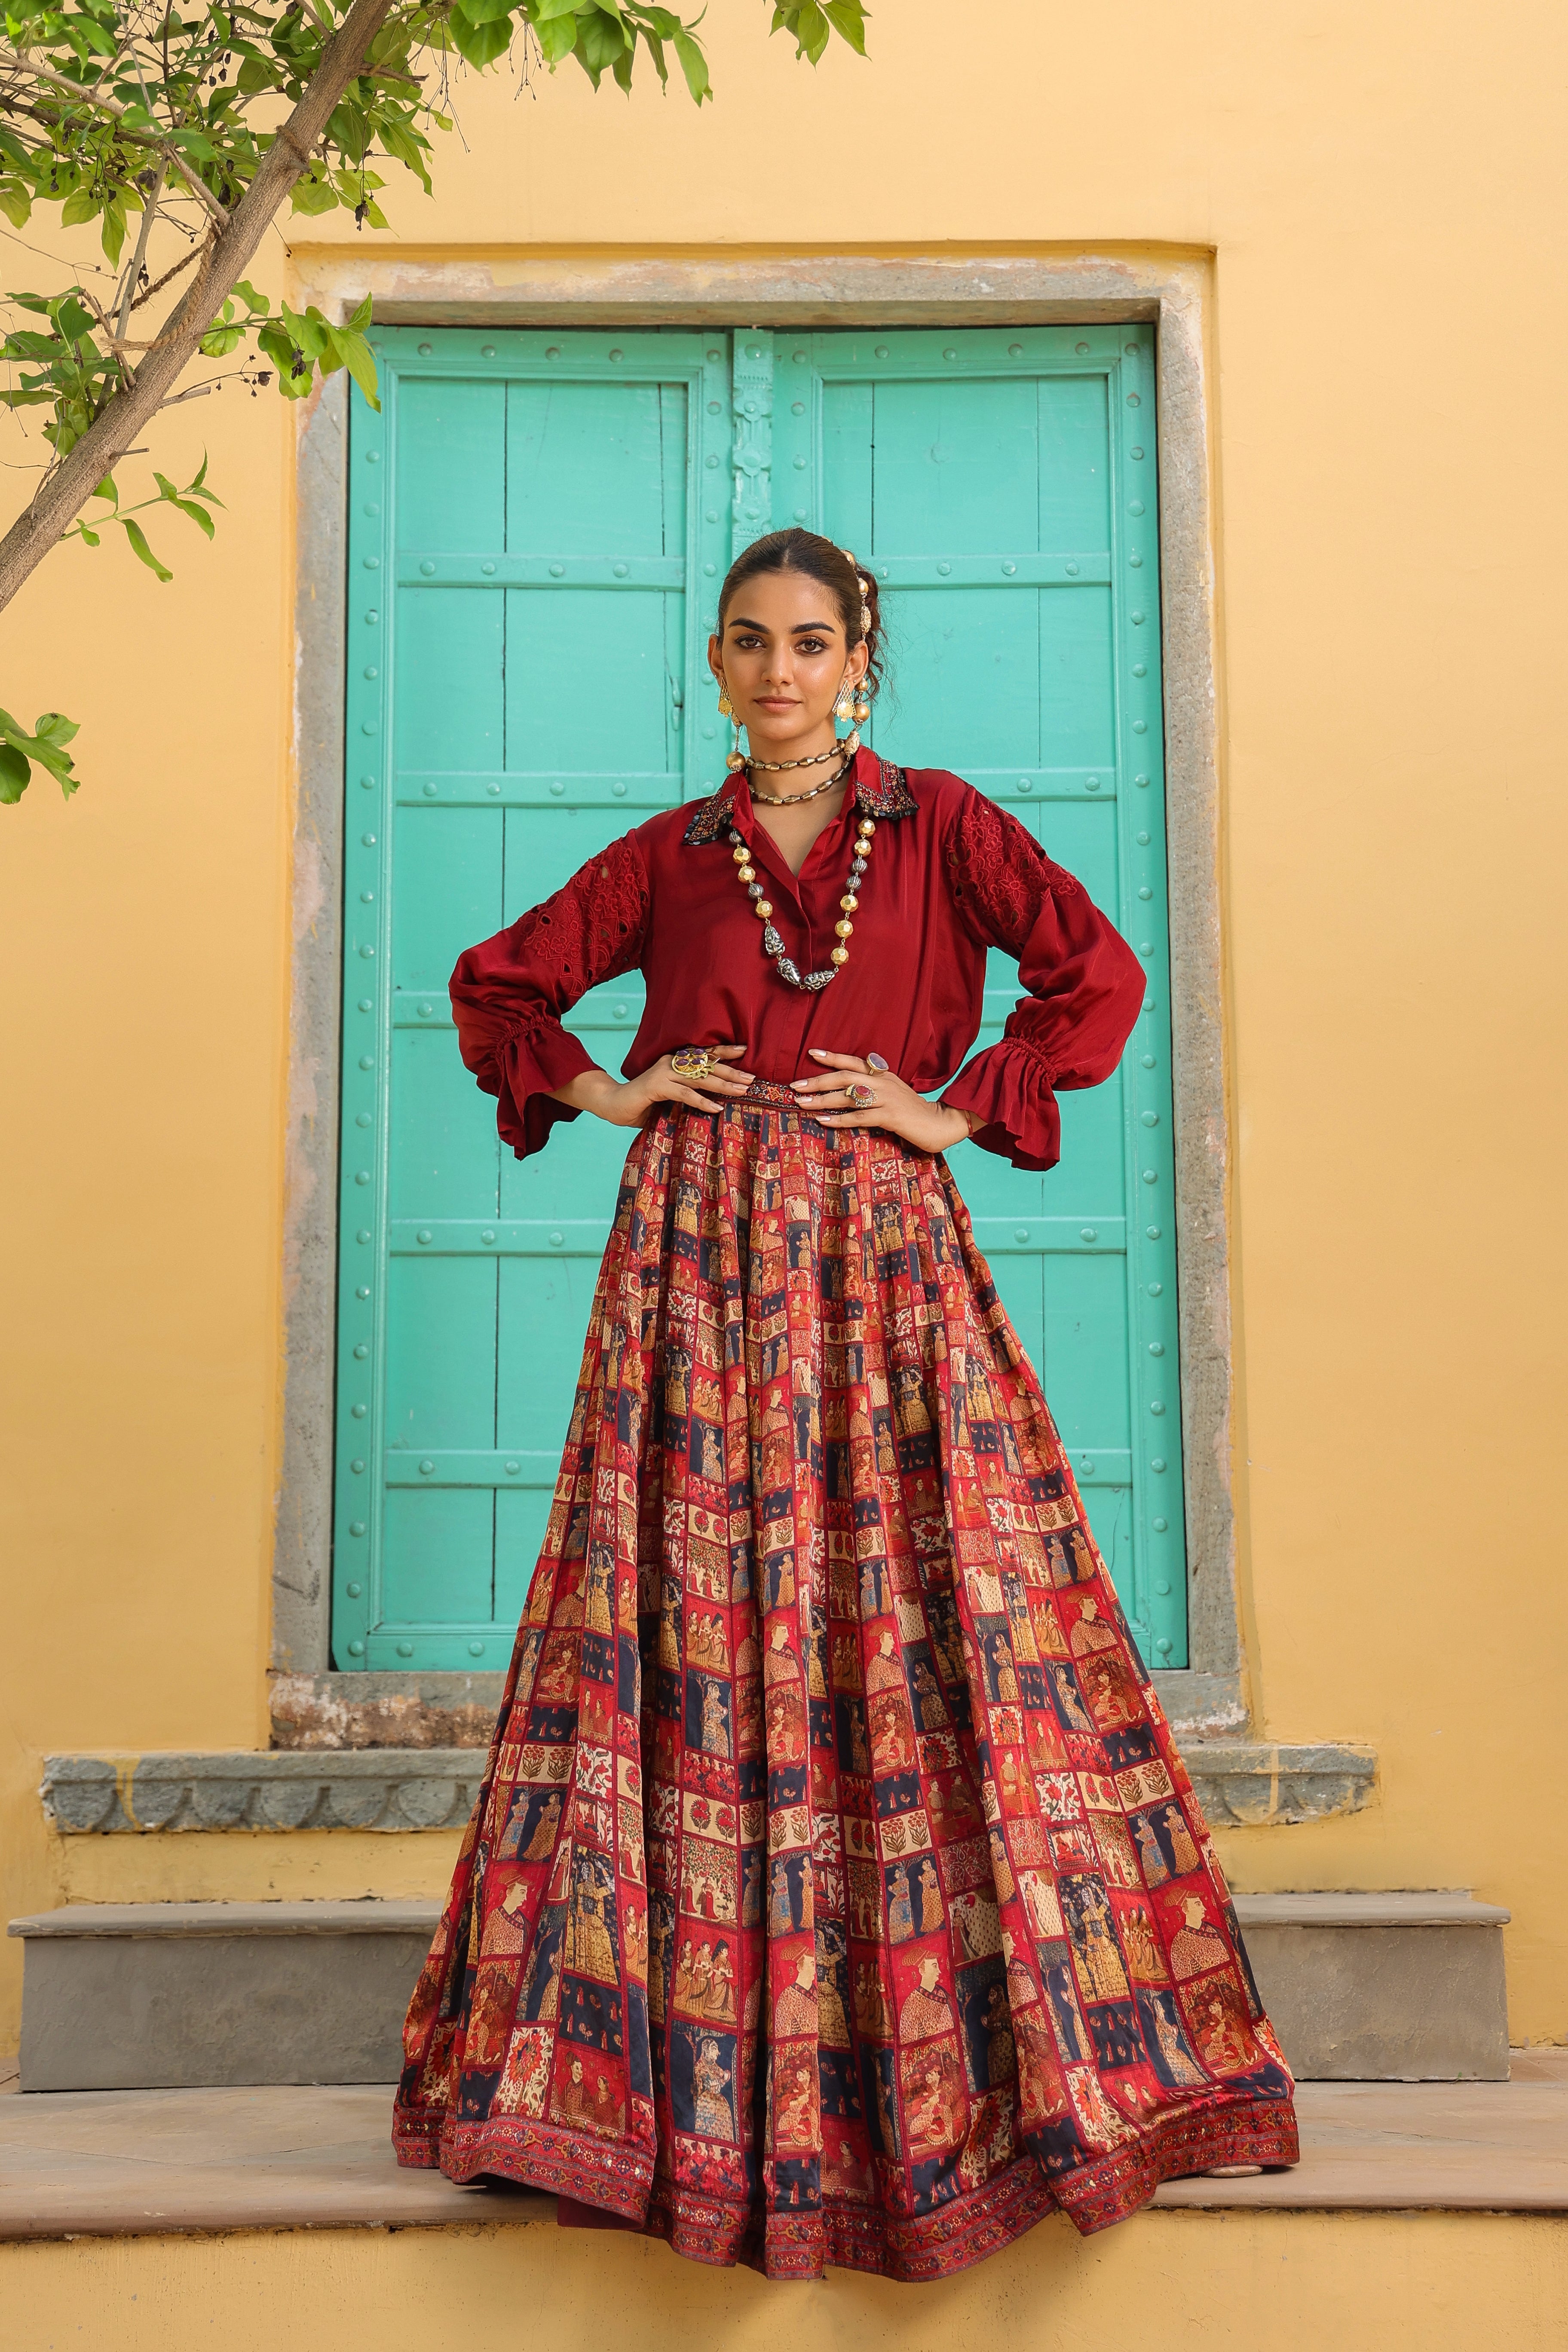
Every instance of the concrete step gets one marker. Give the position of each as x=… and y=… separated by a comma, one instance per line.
x=128, y=1996
x=1422, y=2217
x=1379, y=1987
x=1398, y=1987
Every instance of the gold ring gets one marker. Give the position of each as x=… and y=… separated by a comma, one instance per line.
x=692, y=1061
x=874, y=1061
x=861, y=1097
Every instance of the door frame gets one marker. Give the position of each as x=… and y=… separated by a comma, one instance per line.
x=1211, y=1694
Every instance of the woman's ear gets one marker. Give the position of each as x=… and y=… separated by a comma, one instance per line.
x=715, y=659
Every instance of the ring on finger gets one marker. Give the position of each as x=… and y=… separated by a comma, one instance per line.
x=861, y=1097
x=874, y=1061
x=692, y=1061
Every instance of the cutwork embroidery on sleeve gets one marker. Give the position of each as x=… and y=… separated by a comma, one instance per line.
x=1000, y=873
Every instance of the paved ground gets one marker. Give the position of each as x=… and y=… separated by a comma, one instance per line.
x=135, y=2162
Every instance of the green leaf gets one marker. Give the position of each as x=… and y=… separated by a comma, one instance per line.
x=693, y=65
x=349, y=128
x=54, y=727
x=112, y=237
x=198, y=515
x=847, y=18
x=253, y=303
x=16, y=204
x=74, y=320
x=314, y=197
x=811, y=30
x=82, y=207
x=221, y=341
x=478, y=44
x=360, y=362
x=655, y=48
x=601, y=39
x=557, y=38
x=486, y=12
x=543, y=11
x=15, y=774
x=89, y=538
x=138, y=537
x=255, y=75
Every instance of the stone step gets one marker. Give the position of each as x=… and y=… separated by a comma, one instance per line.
x=1374, y=1987
x=132, y=1995
x=1405, y=1987
x=127, y=2163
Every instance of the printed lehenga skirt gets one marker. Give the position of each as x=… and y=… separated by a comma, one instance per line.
x=835, y=1892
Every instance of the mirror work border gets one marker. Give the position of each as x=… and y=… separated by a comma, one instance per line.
x=1210, y=1696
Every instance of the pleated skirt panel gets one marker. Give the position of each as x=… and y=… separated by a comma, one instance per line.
x=835, y=1892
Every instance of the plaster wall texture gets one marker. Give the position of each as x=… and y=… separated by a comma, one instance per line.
x=1289, y=2282
x=1380, y=206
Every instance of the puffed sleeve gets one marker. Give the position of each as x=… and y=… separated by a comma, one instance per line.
x=1085, y=984
x=508, y=994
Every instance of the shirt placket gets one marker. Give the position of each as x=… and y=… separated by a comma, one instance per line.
x=766, y=856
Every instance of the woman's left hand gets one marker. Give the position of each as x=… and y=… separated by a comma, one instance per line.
x=895, y=1107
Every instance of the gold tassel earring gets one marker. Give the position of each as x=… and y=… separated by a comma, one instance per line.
x=736, y=757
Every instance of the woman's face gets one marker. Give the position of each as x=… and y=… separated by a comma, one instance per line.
x=784, y=657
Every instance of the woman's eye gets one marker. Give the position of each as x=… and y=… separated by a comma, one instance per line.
x=812, y=645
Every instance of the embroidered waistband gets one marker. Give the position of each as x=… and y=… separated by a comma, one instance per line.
x=764, y=1090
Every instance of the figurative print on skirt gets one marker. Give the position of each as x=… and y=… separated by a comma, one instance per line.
x=835, y=1892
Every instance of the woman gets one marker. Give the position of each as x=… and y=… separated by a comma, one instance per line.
x=807, y=1439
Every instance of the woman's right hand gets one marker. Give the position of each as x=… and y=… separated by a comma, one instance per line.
x=629, y=1102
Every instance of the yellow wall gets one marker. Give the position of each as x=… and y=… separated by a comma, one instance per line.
x=1381, y=195
x=1224, y=2283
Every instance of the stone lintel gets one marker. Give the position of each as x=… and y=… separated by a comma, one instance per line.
x=329, y=1712
x=1239, y=1784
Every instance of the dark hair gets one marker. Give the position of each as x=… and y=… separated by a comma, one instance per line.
x=850, y=585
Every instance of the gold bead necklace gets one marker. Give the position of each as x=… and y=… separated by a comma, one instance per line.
x=772, y=945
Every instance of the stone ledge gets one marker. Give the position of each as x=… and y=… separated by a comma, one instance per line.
x=1251, y=1784
x=370, y=1788
x=1240, y=1784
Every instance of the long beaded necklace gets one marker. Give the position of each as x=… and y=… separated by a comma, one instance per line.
x=772, y=945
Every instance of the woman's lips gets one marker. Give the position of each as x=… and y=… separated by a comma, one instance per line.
x=775, y=702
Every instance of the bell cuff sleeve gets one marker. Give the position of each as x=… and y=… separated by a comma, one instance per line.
x=1084, y=985
x=508, y=994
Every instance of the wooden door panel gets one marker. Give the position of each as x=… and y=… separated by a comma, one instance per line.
x=453, y=505
x=533, y=497
x=1001, y=482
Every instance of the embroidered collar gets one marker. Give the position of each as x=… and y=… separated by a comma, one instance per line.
x=882, y=791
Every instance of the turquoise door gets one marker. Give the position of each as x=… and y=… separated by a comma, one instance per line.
x=538, y=526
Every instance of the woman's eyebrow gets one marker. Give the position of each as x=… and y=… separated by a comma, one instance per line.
x=799, y=628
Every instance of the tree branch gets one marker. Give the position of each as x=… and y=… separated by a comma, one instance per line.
x=67, y=488
x=134, y=269
x=106, y=105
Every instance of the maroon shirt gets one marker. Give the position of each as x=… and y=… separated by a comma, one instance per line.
x=950, y=875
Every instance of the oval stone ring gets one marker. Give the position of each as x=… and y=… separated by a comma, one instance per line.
x=692, y=1061
x=861, y=1097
